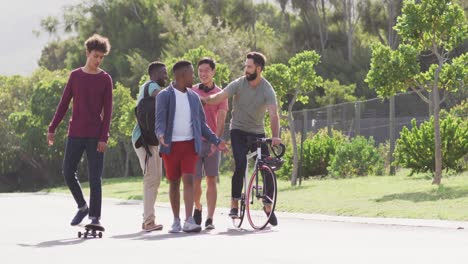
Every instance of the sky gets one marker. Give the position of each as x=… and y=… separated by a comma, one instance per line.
x=20, y=49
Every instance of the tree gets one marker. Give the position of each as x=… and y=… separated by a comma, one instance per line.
x=14, y=95
x=314, y=15
x=350, y=8
x=131, y=26
x=30, y=126
x=292, y=83
x=428, y=28
x=378, y=19
x=223, y=74
x=123, y=121
x=336, y=93
x=231, y=45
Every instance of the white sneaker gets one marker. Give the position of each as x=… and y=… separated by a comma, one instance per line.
x=175, y=228
x=191, y=227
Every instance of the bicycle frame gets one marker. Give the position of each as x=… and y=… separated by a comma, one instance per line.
x=258, y=193
x=246, y=175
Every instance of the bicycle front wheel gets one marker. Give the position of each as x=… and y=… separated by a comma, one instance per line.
x=261, y=197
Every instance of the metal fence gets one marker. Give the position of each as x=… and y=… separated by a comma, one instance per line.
x=369, y=118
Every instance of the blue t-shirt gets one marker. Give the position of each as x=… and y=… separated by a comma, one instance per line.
x=153, y=86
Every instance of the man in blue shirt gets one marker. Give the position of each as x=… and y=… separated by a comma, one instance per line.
x=151, y=167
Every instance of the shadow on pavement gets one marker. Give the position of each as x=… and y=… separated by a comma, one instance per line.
x=163, y=235
x=243, y=232
x=443, y=193
x=58, y=242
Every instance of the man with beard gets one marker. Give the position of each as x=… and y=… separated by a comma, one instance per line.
x=150, y=165
x=252, y=96
x=180, y=126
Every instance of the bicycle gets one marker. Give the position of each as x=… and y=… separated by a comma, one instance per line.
x=261, y=191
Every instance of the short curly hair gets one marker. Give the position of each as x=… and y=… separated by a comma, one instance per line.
x=99, y=43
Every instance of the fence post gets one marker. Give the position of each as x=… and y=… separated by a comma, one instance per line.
x=357, y=118
x=329, y=119
x=392, y=134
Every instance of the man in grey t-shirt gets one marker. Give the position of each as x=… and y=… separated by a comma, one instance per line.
x=252, y=96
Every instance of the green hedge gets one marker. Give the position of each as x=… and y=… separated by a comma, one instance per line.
x=415, y=147
x=358, y=157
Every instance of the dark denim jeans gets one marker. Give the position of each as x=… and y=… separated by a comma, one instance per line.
x=74, y=149
x=240, y=148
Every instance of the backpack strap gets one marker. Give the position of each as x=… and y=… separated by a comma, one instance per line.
x=146, y=88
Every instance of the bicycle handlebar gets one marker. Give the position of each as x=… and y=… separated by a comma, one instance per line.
x=278, y=150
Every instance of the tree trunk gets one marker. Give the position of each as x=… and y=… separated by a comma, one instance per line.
x=292, y=129
x=350, y=20
x=437, y=138
x=394, y=10
x=127, y=159
x=322, y=23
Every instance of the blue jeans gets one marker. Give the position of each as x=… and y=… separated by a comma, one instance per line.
x=74, y=149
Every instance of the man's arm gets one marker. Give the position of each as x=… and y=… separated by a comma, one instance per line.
x=107, y=112
x=216, y=98
x=220, y=121
x=62, y=109
x=274, y=123
x=206, y=131
x=63, y=106
x=161, y=116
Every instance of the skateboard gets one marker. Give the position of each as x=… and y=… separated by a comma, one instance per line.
x=91, y=230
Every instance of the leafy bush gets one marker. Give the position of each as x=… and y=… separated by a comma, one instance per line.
x=357, y=157
x=286, y=170
x=415, y=147
x=318, y=151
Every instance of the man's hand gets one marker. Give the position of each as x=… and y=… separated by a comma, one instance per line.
x=223, y=146
x=275, y=141
x=213, y=149
x=50, y=138
x=161, y=141
x=101, y=146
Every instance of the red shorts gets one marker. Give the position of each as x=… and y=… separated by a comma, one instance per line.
x=181, y=160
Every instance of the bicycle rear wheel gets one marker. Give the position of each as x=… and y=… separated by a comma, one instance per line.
x=261, y=197
x=237, y=221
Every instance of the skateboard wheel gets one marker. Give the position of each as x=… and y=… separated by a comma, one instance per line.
x=79, y=234
x=85, y=235
x=100, y=234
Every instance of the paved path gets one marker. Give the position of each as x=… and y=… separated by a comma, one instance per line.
x=34, y=229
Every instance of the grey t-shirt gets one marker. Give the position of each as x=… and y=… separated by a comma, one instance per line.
x=249, y=104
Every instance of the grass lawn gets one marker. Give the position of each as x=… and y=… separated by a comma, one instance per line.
x=377, y=196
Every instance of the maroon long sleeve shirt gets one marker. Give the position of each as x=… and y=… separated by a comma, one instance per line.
x=92, y=105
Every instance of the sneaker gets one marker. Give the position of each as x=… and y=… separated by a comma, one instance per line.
x=234, y=213
x=209, y=224
x=96, y=225
x=151, y=226
x=197, y=216
x=175, y=228
x=273, y=220
x=80, y=215
x=191, y=227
